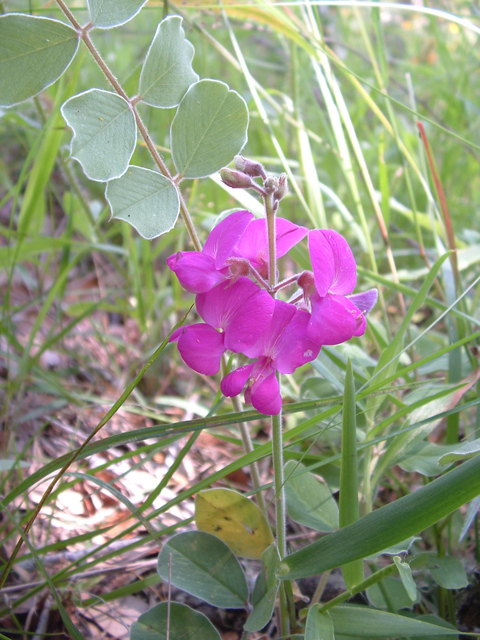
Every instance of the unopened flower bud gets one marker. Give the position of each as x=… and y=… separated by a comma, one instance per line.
x=306, y=281
x=251, y=168
x=282, y=188
x=235, y=179
x=271, y=184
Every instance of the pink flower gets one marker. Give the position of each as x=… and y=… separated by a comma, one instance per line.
x=199, y=271
x=336, y=317
x=241, y=311
x=237, y=243
x=253, y=245
x=283, y=347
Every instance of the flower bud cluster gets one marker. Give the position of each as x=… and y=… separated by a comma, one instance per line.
x=240, y=314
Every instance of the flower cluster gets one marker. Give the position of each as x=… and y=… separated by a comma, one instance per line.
x=241, y=315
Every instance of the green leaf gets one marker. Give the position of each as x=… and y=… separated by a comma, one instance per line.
x=167, y=71
x=204, y=566
x=209, y=129
x=447, y=571
x=309, y=501
x=463, y=452
x=234, y=519
x=364, y=622
x=34, y=53
x=319, y=625
x=390, y=524
x=105, y=14
x=406, y=577
x=145, y=199
x=185, y=624
x=424, y=458
x=389, y=593
x=349, y=510
x=265, y=590
x=104, y=133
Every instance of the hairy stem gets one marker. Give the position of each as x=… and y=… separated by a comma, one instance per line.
x=248, y=448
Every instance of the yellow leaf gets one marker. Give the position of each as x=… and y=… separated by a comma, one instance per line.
x=234, y=519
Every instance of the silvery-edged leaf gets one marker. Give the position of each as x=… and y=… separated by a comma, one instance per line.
x=104, y=133
x=34, y=53
x=105, y=14
x=202, y=565
x=167, y=71
x=173, y=621
x=209, y=129
x=145, y=199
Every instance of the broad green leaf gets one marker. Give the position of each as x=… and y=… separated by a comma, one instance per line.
x=145, y=199
x=309, y=501
x=185, y=624
x=406, y=577
x=424, y=458
x=319, y=625
x=204, y=566
x=105, y=14
x=34, y=52
x=349, y=509
x=104, y=133
x=364, y=622
x=447, y=571
x=234, y=519
x=463, y=452
x=209, y=129
x=390, y=594
x=390, y=524
x=167, y=71
x=265, y=590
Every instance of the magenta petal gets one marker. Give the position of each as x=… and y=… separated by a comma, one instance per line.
x=266, y=344
x=253, y=244
x=196, y=271
x=365, y=301
x=288, y=235
x=201, y=347
x=333, y=263
x=241, y=309
x=265, y=395
x=294, y=347
x=234, y=382
x=334, y=320
x=225, y=235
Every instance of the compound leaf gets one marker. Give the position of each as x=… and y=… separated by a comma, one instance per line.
x=145, y=199
x=209, y=129
x=104, y=133
x=167, y=71
x=34, y=53
x=105, y=14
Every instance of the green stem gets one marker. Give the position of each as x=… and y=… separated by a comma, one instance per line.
x=278, y=484
x=248, y=448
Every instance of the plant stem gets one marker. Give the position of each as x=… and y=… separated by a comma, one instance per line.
x=248, y=448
